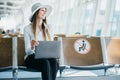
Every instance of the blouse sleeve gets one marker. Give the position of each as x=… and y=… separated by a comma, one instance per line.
x=27, y=41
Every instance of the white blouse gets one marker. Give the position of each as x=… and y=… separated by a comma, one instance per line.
x=29, y=36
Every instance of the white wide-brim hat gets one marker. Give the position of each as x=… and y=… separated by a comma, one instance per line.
x=37, y=6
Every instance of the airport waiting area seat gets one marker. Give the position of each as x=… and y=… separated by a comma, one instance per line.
x=113, y=51
x=76, y=59
x=84, y=53
x=5, y=54
x=7, y=58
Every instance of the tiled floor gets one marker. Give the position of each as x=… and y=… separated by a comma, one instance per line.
x=67, y=74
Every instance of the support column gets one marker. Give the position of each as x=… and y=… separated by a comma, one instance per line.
x=14, y=59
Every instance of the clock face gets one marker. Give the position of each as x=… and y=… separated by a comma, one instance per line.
x=82, y=46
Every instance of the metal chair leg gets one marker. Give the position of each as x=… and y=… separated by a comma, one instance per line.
x=15, y=73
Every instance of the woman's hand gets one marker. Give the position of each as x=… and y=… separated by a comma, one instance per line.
x=34, y=43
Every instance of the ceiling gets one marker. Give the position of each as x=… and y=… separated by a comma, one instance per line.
x=10, y=6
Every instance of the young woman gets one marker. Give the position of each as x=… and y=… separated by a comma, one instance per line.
x=36, y=31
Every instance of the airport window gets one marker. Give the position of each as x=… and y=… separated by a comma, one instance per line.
x=115, y=19
x=88, y=16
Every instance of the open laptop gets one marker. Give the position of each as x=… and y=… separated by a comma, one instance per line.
x=48, y=49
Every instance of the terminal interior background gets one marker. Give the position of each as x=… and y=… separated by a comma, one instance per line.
x=100, y=18
x=91, y=17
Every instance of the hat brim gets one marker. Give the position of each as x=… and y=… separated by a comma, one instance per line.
x=49, y=10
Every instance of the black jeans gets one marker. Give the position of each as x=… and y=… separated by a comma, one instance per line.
x=48, y=67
